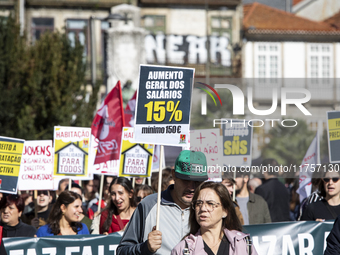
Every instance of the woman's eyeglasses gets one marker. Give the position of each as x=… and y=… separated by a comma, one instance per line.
x=334, y=179
x=210, y=205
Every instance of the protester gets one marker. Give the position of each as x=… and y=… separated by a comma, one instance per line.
x=82, y=217
x=229, y=182
x=253, y=207
x=28, y=197
x=253, y=184
x=141, y=236
x=166, y=180
x=120, y=208
x=44, y=200
x=333, y=239
x=106, y=192
x=327, y=208
x=62, y=185
x=142, y=191
x=2, y=248
x=274, y=192
x=214, y=226
x=11, y=207
x=314, y=196
x=91, y=195
x=64, y=217
x=292, y=185
x=139, y=180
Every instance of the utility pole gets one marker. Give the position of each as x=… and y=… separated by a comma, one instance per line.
x=93, y=53
x=207, y=65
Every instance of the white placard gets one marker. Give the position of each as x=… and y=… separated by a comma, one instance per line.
x=36, y=170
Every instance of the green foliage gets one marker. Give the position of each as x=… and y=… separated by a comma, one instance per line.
x=42, y=86
x=288, y=145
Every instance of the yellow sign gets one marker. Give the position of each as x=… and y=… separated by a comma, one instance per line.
x=334, y=129
x=10, y=160
x=135, y=158
x=71, y=156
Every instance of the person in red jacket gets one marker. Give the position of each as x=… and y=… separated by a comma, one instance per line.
x=120, y=208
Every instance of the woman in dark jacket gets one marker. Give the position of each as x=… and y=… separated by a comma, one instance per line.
x=11, y=207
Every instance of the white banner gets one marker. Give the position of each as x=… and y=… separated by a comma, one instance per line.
x=311, y=157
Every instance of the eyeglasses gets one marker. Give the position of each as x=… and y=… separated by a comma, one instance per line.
x=43, y=192
x=210, y=205
x=334, y=179
x=139, y=199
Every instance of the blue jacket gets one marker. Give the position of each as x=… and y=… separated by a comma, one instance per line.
x=46, y=231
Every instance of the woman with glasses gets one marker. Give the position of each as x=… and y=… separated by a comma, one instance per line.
x=120, y=207
x=65, y=216
x=11, y=207
x=327, y=208
x=214, y=226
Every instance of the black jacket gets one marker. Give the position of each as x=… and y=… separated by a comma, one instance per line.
x=2, y=248
x=277, y=197
x=20, y=230
x=333, y=239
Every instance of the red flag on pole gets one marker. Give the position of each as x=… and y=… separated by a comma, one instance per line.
x=130, y=111
x=107, y=126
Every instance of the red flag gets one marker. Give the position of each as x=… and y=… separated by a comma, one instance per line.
x=107, y=126
x=130, y=111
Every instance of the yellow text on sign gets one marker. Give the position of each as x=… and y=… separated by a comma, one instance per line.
x=235, y=147
x=157, y=111
x=334, y=129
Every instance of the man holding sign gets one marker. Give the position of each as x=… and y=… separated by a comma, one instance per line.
x=140, y=236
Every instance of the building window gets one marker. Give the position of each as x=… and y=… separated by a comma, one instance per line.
x=320, y=61
x=273, y=67
x=262, y=66
x=77, y=29
x=154, y=23
x=326, y=67
x=40, y=26
x=267, y=60
x=221, y=26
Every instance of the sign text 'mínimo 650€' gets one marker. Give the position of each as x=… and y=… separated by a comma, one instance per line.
x=163, y=105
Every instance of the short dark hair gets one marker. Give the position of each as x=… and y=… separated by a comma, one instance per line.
x=74, y=185
x=272, y=163
x=329, y=168
x=9, y=199
x=62, y=181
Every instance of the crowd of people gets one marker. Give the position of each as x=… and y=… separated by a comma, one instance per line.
x=198, y=216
